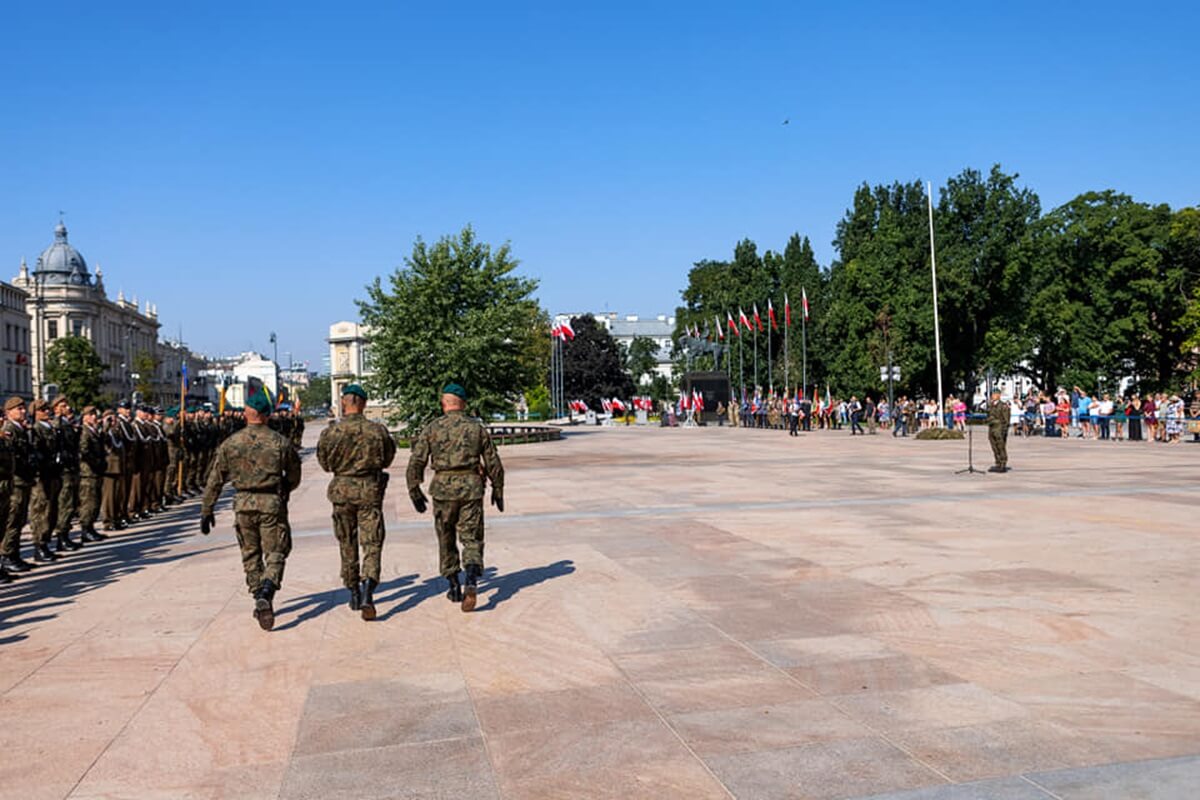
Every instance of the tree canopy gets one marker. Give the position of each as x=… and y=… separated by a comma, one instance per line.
x=593, y=368
x=454, y=312
x=72, y=364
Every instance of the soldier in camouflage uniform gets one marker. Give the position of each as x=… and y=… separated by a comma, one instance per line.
x=10, y=449
x=43, y=499
x=112, y=492
x=264, y=469
x=455, y=444
x=68, y=492
x=174, y=437
x=997, y=420
x=92, y=463
x=357, y=451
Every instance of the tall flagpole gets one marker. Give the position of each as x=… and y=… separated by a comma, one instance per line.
x=937, y=336
x=756, y=357
x=770, y=376
x=804, y=344
x=741, y=364
x=786, y=324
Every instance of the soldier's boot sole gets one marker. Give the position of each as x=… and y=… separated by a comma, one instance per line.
x=264, y=614
x=368, y=613
x=469, y=597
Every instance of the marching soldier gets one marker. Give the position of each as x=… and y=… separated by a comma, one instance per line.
x=16, y=458
x=997, y=420
x=357, y=451
x=68, y=492
x=264, y=469
x=43, y=499
x=112, y=493
x=173, y=432
x=455, y=444
x=92, y=467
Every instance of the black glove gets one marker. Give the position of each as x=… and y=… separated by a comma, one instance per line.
x=498, y=499
x=207, y=523
x=418, y=500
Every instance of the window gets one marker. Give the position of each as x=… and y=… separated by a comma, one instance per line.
x=52, y=329
x=77, y=327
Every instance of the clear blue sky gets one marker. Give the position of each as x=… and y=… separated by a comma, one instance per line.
x=250, y=166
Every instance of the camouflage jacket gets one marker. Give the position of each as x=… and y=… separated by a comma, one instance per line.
x=7, y=457
x=260, y=464
x=453, y=445
x=998, y=417
x=47, y=444
x=92, y=458
x=356, y=450
x=24, y=454
x=68, y=442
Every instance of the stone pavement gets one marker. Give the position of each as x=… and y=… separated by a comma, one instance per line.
x=667, y=613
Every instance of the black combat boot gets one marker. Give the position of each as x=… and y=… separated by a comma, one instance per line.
x=14, y=564
x=63, y=541
x=355, y=598
x=472, y=587
x=263, y=610
x=90, y=534
x=368, y=599
x=5, y=577
x=41, y=552
x=455, y=594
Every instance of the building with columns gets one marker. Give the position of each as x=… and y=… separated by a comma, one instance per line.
x=62, y=298
x=350, y=362
x=16, y=372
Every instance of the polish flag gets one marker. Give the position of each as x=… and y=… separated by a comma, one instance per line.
x=787, y=312
x=566, y=330
x=757, y=318
x=804, y=301
x=732, y=327
x=743, y=320
x=717, y=327
x=771, y=315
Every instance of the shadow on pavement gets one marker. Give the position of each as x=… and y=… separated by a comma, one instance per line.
x=27, y=600
x=504, y=587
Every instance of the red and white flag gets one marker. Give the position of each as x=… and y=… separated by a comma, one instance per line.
x=804, y=301
x=732, y=327
x=567, y=331
x=697, y=400
x=757, y=318
x=743, y=319
x=617, y=404
x=771, y=315
x=787, y=312
x=717, y=327
x=555, y=332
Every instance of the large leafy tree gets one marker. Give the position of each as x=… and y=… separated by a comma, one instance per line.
x=592, y=364
x=72, y=364
x=454, y=312
x=641, y=358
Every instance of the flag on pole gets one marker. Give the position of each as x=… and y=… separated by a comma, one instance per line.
x=742, y=319
x=736, y=329
x=787, y=312
x=717, y=328
x=771, y=315
x=567, y=331
x=804, y=301
x=757, y=318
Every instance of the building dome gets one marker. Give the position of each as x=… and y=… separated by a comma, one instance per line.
x=61, y=263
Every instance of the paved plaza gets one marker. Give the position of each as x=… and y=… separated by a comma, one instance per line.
x=667, y=613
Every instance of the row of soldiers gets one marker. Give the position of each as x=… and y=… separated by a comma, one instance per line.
x=117, y=466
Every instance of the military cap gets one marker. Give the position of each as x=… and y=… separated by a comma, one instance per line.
x=13, y=402
x=62, y=398
x=455, y=389
x=354, y=389
x=259, y=403
x=123, y=404
x=40, y=405
x=108, y=412
x=87, y=410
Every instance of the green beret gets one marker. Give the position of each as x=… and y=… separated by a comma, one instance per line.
x=259, y=402
x=455, y=389
x=354, y=389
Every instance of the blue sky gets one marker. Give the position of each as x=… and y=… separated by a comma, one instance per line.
x=249, y=167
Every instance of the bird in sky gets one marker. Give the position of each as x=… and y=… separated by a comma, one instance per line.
x=786, y=121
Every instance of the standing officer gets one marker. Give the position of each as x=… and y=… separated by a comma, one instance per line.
x=24, y=457
x=68, y=491
x=112, y=492
x=43, y=500
x=8, y=563
x=454, y=444
x=92, y=465
x=357, y=451
x=997, y=420
x=264, y=469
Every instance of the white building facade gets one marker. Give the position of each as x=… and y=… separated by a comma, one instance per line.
x=624, y=328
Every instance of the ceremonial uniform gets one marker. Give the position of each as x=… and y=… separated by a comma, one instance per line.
x=68, y=491
x=43, y=499
x=357, y=451
x=93, y=461
x=264, y=469
x=997, y=420
x=455, y=445
x=112, y=491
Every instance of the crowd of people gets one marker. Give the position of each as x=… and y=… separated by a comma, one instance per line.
x=1154, y=417
x=62, y=471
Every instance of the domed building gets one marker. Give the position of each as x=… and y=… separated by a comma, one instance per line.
x=64, y=299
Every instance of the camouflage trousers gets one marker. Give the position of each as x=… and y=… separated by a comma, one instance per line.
x=458, y=521
x=68, y=493
x=358, y=526
x=43, y=508
x=265, y=541
x=89, y=500
x=10, y=536
x=112, y=499
x=999, y=442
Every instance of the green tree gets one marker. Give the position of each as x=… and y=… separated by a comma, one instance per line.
x=145, y=366
x=592, y=368
x=72, y=364
x=317, y=394
x=641, y=358
x=454, y=312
